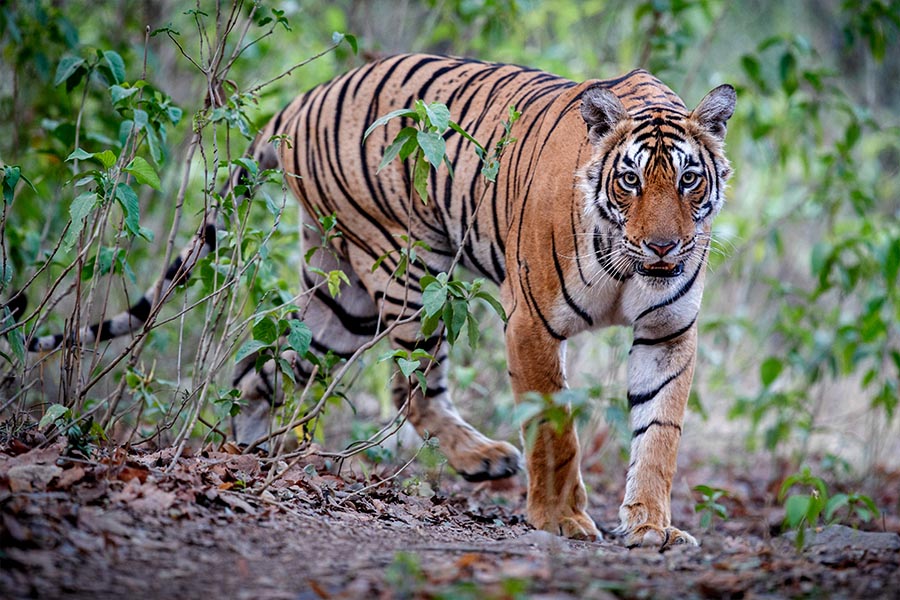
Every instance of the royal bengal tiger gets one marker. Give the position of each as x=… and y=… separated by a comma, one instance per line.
x=601, y=215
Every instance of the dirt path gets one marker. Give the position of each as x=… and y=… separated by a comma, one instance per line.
x=123, y=527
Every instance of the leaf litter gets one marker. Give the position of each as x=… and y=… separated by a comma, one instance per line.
x=129, y=523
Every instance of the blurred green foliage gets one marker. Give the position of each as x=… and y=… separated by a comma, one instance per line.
x=802, y=310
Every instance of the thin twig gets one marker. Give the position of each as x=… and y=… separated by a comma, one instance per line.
x=381, y=482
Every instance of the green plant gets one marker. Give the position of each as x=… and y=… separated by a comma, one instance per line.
x=708, y=506
x=81, y=435
x=805, y=510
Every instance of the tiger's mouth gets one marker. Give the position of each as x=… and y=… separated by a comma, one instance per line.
x=660, y=269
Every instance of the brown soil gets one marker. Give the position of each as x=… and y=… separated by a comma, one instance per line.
x=125, y=524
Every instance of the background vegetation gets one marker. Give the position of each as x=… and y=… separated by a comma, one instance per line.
x=103, y=109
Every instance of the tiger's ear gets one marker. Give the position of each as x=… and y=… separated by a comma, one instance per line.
x=715, y=109
x=601, y=110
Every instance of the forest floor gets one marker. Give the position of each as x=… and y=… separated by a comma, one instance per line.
x=129, y=525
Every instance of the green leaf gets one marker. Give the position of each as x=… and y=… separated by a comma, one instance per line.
x=770, y=369
x=249, y=164
x=299, y=337
x=423, y=386
x=835, y=503
x=79, y=154
x=338, y=37
x=11, y=177
x=53, y=412
x=432, y=145
x=490, y=170
x=494, y=304
x=473, y=331
x=249, y=348
x=144, y=173
x=479, y=148
x=106, y=257
x=116, y=65
x=157, y=150
x=128, y=200
x=174, y=113
x=788, y=71
x=704, y=490
x=106, y=158
x=795, y=509
x=433, y=298
x=439, y=115
x=265, y=331
x=420, y=179
x=80, y=208
x=286, y=369
x=891, y=263
x=67, y=67
x=454, y=315
x=403, y=112
x=753, y=69
x=391, y=152
x=334, y=282
x=141, y=118
x=15, y=337
x=119, y=93
x=407, y=367
x=430, y=324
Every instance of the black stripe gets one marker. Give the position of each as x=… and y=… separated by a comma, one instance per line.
x=532, y=302
x=102, y=331
x=654, y=423
x=173, y=269
x=321, y=348
x=270, y=391
x=141, y=309
x=422, y=62
x=432, y=392
x=665, y=338
x=209, y=236
x=246, y=365
x=360, y=325
x=562, y=284
x=643, y=398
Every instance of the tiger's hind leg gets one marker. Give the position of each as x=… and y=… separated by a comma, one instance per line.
x=472, y=454
x=339, y=324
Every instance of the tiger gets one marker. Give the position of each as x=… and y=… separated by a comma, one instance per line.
x=601, y=215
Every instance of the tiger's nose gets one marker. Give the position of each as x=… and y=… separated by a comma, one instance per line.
x=661, y=248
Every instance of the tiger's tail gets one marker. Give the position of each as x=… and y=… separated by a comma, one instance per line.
x=176, y=273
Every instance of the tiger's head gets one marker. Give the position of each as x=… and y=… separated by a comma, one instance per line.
x=656, y=179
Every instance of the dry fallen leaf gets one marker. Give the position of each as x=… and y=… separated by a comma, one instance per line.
x=31, y=477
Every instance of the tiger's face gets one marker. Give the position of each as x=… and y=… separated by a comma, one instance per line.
x=657, y=179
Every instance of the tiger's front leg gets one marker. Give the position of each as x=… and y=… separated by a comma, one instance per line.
x=660, y=371
x=556, y=494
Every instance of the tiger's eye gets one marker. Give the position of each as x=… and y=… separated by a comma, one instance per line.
x=630, y=179
x=689, y=179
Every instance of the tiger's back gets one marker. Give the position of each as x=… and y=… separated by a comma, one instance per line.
x=338, y=170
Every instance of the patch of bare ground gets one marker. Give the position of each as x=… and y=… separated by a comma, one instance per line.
x=126, y=524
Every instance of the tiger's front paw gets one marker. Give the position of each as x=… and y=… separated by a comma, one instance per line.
x=570, y=523
x=641, y=526
x=663, y=538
